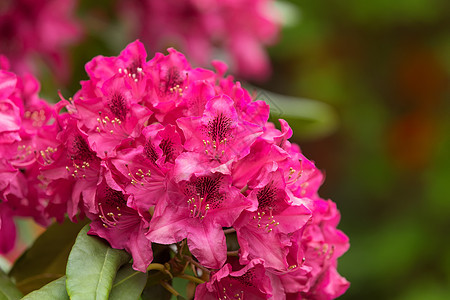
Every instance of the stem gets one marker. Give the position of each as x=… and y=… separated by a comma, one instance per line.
x=180, y=247
x=160, y=268
x=191, y=278
x=169, y=288
x=229, y=230
x=205, y=270
x=194, y=269
x=156, y=266
x=233, y=253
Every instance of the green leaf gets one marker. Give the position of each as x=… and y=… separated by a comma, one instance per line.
x=92, y=267
x=46, y=259
x=55, y=290
x=8, y=290
x=180, y=285
x=128, y=283
x=308, y=118
x=152, y=292
x=5, y=265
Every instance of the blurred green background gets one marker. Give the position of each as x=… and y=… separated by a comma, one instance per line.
x=384, y=66
x=383, y=70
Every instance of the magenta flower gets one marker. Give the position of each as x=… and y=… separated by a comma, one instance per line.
x=122, y=226
x=42, y=28
x=73, y=176
x=175, y=89
x=197, y=209
x=261, y=232
x=27, y=141
x=219, y=133
x=322, y=244
x=10, y=120
x=237, y=30
x=160, y=152
x=249, y=282
x=7, y=229
x=110, y=115
x=128, y=65
x=142, y=170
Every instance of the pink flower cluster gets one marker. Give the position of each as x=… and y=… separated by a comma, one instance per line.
x=31, y=29
x=27, y=140
x=160, y=152
x=237, y=30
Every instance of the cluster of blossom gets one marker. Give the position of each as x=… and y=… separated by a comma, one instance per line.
x=27, y=139
x=31, y=29
x=159, y=152
x=236, y=30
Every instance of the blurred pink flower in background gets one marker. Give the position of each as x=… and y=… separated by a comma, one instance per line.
x=27, y=139
x=234, y=30
x=33, y=30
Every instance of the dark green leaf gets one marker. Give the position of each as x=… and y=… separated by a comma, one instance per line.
x=128, y=283
x=46, y=259
x=92, y=267
x=8, y=291
x=55, y=290
x=153, y=289
x=180, y=285
x=152, y=292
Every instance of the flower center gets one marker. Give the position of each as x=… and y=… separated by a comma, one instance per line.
x=166, y=146
x=114, y=201
x=204, y=195
x=134, y=72
x=247, y=278
x=266, y=197
x=263, y=217
x=81, y=158
x=117, y=106
x=150, y=152
x=139, y=177
x=110, y=126
x=172, y=82
x=36, y=117
x=81, y=150
x=219, y=127
x=229, y=294
x=218, y=130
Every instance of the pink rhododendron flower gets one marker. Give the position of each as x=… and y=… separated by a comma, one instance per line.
x=237, y=30
x=322, y=244
x=27, y=140
x=7, y=229
x=37, y=28
x=197, y=209
x=159, y=152
x=74, y=173
x=122, y=226
x=261, y=232
x=249, y=282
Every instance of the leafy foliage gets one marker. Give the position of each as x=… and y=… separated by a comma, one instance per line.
x=8, y=290
x=46, y=259
x=53, y=290
x=92, y=266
